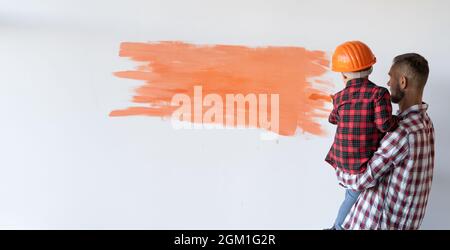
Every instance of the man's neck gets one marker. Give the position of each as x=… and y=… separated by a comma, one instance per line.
x=406, y=102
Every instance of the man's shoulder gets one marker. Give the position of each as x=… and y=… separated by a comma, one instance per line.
x=408, y=126
x=415, y=122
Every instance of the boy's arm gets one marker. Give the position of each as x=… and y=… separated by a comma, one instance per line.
x=384, y=119
x=334, y=117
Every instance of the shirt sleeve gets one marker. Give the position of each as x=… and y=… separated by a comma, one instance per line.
x=393, y=150
x=384, y=119
x=334, y=116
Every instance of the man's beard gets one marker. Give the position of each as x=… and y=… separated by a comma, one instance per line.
x=397, y=95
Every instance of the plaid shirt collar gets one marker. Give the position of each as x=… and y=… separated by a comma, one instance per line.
x=418, y=108
x=356, y=81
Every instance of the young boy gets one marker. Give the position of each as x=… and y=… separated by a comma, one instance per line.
x=362, y=112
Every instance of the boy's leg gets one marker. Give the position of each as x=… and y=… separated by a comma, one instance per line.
x=350, y=198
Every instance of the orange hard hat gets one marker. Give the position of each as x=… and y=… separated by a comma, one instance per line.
x=352, y=56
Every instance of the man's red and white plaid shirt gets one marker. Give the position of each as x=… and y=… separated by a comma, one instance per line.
x=397, y=181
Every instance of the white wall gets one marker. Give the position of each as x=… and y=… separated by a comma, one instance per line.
x=66, y=165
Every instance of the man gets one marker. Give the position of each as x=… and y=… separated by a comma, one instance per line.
x=397, y=182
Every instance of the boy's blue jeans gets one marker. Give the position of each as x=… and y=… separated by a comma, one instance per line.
x=351, y=196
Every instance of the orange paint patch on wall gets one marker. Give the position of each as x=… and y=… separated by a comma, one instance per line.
x=169, y=68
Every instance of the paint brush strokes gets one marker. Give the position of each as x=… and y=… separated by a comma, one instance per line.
x=169, y=68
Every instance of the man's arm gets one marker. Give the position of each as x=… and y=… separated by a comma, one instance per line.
x=394, y=149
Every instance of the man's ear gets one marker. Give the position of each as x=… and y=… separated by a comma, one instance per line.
x=403, y=82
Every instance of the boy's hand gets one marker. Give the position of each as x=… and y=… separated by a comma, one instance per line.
x=316, y=96
x=332, y=98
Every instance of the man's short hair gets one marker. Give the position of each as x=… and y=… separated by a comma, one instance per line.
x=415, y=67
